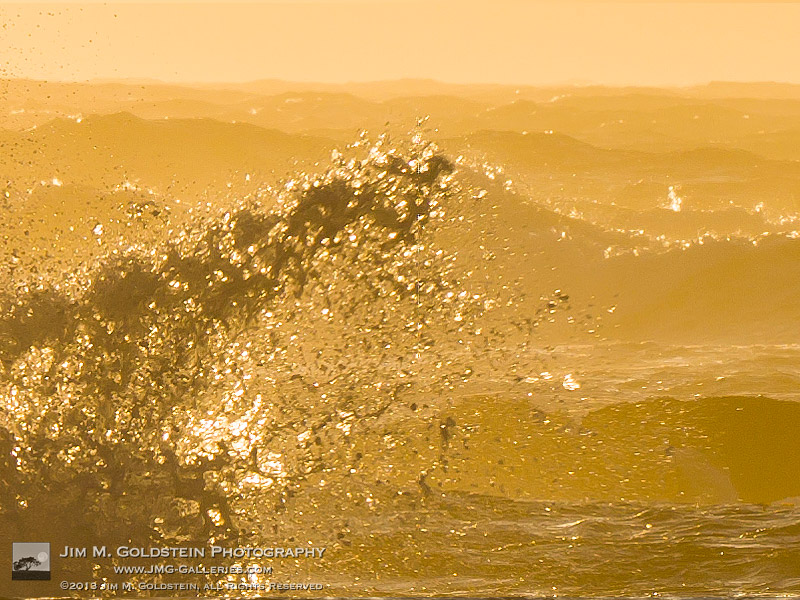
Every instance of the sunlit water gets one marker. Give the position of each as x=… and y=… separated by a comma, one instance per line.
x=345, y=362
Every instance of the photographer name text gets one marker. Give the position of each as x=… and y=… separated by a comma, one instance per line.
x=193, y=552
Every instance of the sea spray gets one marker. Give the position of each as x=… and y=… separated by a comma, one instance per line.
x=190, y=382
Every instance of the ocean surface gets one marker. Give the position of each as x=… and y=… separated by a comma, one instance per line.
x=407, y=356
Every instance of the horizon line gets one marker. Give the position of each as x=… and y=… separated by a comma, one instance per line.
x=428, y=80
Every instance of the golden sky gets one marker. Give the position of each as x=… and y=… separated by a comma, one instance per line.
x=495, y=41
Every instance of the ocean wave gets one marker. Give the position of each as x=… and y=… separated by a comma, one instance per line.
x=327, y=347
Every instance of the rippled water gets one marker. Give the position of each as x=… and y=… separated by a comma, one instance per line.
x=379, y=359
x=479, y=545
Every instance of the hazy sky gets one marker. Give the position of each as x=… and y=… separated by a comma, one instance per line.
x=504, y=41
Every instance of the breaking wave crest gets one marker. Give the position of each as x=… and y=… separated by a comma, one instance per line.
x=243, y=356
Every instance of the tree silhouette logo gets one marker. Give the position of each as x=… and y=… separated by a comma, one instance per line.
x=30, y=561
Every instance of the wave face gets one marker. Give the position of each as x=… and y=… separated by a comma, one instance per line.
x=452, y=376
